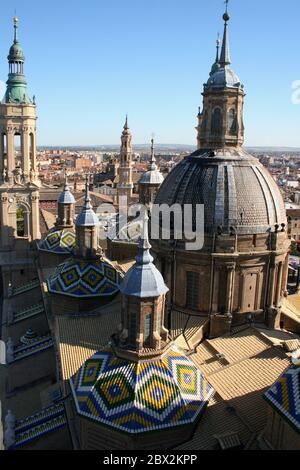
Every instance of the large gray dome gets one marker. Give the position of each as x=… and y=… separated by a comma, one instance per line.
x=235, y=189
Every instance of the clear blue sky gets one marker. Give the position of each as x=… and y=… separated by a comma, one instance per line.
x=89, y=62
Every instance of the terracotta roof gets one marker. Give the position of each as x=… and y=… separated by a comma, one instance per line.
x=49, y=218
x=124, y=265
x=252, y=365
x=79, y=338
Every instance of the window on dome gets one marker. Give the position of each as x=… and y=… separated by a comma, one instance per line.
x=147, y=329
x=216, y=121
x=192, y=290
x=232, y=121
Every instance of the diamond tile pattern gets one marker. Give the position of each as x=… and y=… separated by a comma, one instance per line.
x=143, y=396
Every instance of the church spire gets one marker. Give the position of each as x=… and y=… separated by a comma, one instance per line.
x=218, y=43
x=144, y=257
x=16, y=22
x=125, y=184
x=16, y=85
x=87, y=224
x=216, y=65
x=153, y=165
x=225, y=52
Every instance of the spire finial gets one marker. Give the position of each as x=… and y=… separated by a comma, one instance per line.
x=16, y=25
x=126, y=123
x=144, y=256
x=225, y=54
x=153, y=165
x=218, y=42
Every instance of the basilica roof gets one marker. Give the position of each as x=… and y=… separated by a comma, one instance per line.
x=284, y=397
x=138, y=397
x=81, y=279
x=235, y=189
x=59, y=241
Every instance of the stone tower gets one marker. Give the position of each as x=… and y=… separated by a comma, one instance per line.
x=221, y=124
x=66, y=207
x=87, y=224
x=143, y=304
x=19, y=183
x=125, y=184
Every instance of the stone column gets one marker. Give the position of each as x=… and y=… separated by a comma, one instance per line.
x=279, y=284
x=25, y=152
x=285, y=276
x=33, y=150
x=272, y=273
x=230, y=280
x=10, y=152
x=1, y=155
x=35, y=218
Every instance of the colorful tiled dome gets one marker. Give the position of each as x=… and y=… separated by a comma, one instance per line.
x=85, y=279
x=284, y=396
x=59, y=241
x=138, y=397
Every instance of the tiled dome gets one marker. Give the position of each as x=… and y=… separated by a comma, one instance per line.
x=235, y=189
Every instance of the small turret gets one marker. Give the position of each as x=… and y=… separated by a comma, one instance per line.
x=87, y=227
x=66, y=206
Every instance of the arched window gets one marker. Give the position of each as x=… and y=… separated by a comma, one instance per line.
x=232, y=121
x=20, y=222
x=18, y=149
x=216, y=121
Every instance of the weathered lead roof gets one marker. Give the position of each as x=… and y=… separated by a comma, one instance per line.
x=234, y=187
x=143, y=279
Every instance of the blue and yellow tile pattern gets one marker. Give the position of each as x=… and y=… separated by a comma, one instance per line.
x=85, y=279
x=140, y=397
x=59, y=242
x=284, y=396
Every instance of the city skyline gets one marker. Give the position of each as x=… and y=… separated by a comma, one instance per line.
x=86, y=77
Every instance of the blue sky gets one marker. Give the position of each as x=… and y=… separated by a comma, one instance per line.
x=89, y=62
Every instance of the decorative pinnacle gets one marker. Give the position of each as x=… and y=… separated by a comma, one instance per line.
x=153, y=165
x=126, y=123
x=87, y=191
x=218, y=42
x=225, y=54
x=226, y=16
x=16, y=25
x=144, y=256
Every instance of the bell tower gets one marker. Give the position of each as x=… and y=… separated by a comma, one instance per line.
x=125, y=185
x=19, y=183
x=220, y=124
